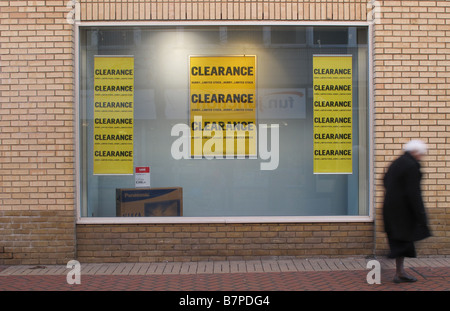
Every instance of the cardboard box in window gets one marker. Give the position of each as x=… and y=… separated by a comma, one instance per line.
x=149, y=202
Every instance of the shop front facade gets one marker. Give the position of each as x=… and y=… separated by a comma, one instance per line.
x=146, y=131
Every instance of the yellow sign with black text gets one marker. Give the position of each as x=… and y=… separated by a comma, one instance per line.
x=222, y=92
x=113, y=115
x=333, y=124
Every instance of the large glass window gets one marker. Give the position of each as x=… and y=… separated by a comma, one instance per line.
x=282, y=179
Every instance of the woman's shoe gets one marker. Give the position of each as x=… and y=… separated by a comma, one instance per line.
x=404, y=279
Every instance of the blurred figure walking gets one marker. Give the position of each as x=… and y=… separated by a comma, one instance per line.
x=405, y=219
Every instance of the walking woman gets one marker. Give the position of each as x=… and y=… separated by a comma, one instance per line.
x=405, y=219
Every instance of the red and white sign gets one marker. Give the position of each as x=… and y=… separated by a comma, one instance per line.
x=142, y=176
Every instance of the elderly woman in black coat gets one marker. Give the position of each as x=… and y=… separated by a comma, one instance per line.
x=405, y=219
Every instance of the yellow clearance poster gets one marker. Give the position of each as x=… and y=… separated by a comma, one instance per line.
x=332, y=121
x=113, y=114
x=222, y=92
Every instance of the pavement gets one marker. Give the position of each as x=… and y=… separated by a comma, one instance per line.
x=274, y=279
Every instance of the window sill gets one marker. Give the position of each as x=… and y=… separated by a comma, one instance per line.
x=221, y=220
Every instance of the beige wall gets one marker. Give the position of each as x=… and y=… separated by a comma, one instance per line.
x=37, y=143
x=239, y=10
x=412, y=88
x=36, y=133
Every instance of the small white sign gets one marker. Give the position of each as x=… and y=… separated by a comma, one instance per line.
x=142, y=177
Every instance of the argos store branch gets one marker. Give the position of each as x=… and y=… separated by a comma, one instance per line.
x=182, y=131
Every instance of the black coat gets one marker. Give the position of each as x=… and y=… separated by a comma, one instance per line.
x=403, y=209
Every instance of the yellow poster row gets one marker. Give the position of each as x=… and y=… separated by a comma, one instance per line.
x=333, y=124
x=222, y=92
x=113, y=114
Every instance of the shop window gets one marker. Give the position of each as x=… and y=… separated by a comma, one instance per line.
x=288, y=35
x=150, y=108
x=244, y=35
x=331, y=35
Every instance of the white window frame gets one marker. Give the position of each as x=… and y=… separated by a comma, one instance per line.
x=227, y=219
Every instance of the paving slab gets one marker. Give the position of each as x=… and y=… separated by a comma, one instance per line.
x=221, y=267
x=238, y=267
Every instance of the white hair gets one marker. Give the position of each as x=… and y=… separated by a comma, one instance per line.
x=415, y=146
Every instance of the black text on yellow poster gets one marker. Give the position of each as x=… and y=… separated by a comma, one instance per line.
x=113, y=115
x=222, y=94
x=332, y=121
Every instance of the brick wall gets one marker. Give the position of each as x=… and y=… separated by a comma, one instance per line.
x=195, y=242
x=37, y=212
x=96, y=243
x=36, y=133
x=37, y=237
x=163, y=10
x=412, y=88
